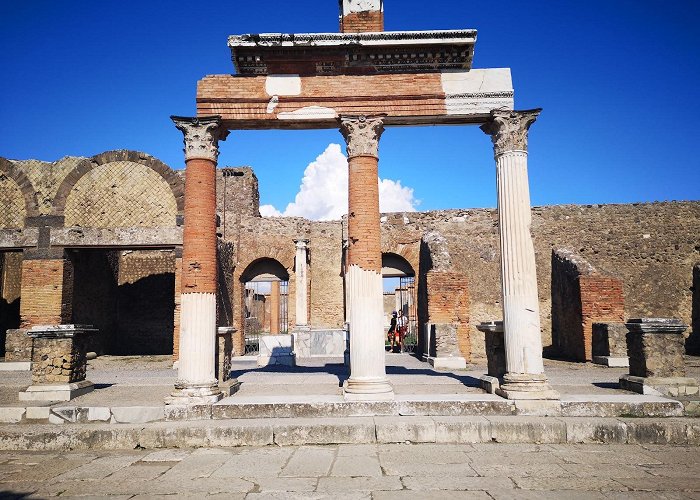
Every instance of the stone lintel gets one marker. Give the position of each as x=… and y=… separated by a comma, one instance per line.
x=146, y=237
x=19, y=238
x=60, y=331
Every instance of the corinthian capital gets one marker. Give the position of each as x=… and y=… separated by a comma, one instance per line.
x=362, y=134
x=508, y=129
x=202, y=136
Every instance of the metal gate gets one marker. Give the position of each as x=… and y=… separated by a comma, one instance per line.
x=407, y=304
x=257, y=318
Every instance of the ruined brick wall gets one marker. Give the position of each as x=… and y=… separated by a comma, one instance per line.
x=580, y=297
x=47, y=292
x=448, y=304
x=361, y=22
x=237, y=193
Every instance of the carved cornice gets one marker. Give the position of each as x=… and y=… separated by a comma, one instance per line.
x=362, y=134
x=508, y=129
x=201, y=136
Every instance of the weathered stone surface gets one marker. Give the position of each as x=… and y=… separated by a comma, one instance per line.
x=462, y=430
x=656, y=347
x=610, y=339
x=324, y=431
x=595, y=430
x=18, y=345
x=11, y=415
x=412, y=429
x=527, y=430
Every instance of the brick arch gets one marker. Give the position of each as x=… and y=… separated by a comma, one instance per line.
x=174, y=181
x=31, y=203
x=283, y=256
x=410, y=252
x=265, y=264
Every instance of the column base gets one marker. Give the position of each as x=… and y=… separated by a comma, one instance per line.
x=526, y=386
x=192, y=394
x=368, y=390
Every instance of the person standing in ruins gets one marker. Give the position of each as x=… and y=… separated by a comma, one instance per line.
x=400, y=331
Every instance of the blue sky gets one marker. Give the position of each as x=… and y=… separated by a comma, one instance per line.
x=617, y=80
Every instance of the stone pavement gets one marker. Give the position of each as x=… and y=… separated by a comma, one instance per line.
x=376, y=471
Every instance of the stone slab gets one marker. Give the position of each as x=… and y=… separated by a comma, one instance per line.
x=612, y=362
x=448, y=363
x=15, y=366
x=11, y=415
x=668, y=386
x=56, y=392
x=489, y=383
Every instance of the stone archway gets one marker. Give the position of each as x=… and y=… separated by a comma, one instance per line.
x=399, y=284
x=264, y=304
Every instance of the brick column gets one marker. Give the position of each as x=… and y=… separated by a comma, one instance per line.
x=275, y=307
x=46, y=288
x=525, y=378
x=359, y=16
x=363, y=275
x=176, y=312
x=196, y=382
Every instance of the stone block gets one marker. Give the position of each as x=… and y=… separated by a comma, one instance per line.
x=276, y=350
x=527, y=430
x=462, y=430
x=595, y=430
x=402, y=429
x=324, y=431
x=9, y=415
x=38, y=412
x=187, y=412
x=137, y=414
x=319, y=343
x=609, y=340
x=99, y=414
x=612, y=362
x=18, y=345
x=56, y=392
x=667, y=386
x=489, y=383
x=666, y=431
x=655, y=347
x=540, y=408
x=15, y=366
x=449, y=407
x=448, y=362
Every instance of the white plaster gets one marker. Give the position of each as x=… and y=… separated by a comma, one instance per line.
x=309, y=113
x=367, y=355
x=351, y=6
x=276, y=85
x=274, y=101
x=477, y=91
x=197, y=338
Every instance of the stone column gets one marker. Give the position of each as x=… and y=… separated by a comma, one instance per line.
x=525, y=378
x=363, y=276
x=302, y=283
x=196, y=382
x=275, y=307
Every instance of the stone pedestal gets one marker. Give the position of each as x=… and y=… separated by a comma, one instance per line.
x=495, y=355
x=276, y=350
x=610, y=344
x=18, y=351
x=310, y=343
x=656, y=347
x=59, y=363
x=224, y=354
x=447, y=356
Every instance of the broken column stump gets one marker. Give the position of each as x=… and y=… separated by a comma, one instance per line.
x=224, y=355
x=59, y=363
x=656, y=366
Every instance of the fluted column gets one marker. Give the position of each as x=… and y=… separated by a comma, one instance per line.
x=525, y=378
x=196, y=381
x=363, y=275
x=302, y=283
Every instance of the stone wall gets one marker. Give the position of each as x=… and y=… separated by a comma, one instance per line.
x=693, y=342
x=580, y=297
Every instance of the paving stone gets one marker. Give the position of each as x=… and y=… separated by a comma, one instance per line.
x=279, y=484
x=99, y=468
x=338, y=484
x=427, y=468
x=196, y=466
x=510, y=470
x=420, y=453
x=429, y=483
x=309, y=462
x=614, y=471
x=44, y=472
x=675, y=470
x=278, y=495
x=140, y=471
x=509, y=494
x=357, y=450
x=356, y=466
x=434, y=495
x=257, y=461
x=569, y=483
x=602, y=457
x=166, y=456
x=519, y=458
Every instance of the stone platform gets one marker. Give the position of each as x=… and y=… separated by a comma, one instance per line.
x=307, y=401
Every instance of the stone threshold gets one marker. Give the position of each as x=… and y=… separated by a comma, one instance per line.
x=387, y=429
x=271, y=407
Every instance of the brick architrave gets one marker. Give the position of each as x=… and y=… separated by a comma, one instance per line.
x=169, y=175
x=25, y=185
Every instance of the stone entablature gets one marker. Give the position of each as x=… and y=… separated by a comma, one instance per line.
x=352, y=53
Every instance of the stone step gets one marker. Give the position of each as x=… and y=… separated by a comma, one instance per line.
x=264, y=407
x=319, y=431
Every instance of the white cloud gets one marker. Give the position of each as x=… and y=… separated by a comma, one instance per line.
x=323, y=194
